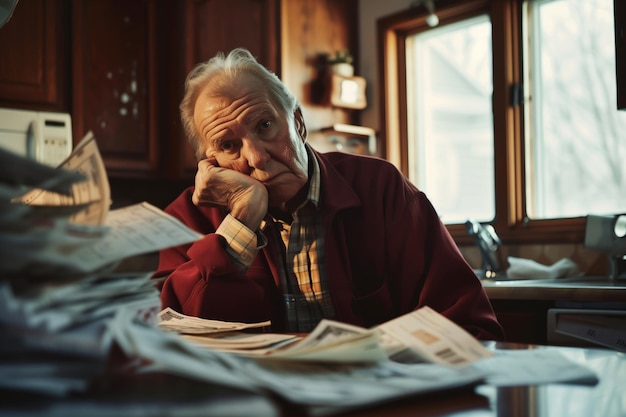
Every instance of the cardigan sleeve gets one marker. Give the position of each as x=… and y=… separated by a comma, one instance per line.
x=201, y=279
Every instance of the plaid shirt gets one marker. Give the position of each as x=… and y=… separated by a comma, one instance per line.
x=303, y=277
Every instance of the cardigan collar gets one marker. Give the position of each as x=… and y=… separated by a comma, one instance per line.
x=335, y=192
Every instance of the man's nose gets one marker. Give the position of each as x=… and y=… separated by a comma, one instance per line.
x=255, y=154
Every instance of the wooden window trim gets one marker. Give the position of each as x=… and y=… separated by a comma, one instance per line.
x=511, y=220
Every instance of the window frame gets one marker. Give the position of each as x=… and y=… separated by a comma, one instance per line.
x=511, y=221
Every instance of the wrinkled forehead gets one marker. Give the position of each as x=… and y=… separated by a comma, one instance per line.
x=225, y=93
x=222, y=104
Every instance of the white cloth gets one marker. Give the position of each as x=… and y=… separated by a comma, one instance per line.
x=521, y=268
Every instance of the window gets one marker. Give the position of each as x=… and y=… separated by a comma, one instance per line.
x=450, y=123
x=576, y=137
x=510, y=114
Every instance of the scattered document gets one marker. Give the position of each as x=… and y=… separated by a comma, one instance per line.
x=92, y=193
x=133, y=230
x=424, y=335
x=321, y=387
x=59, y=245
x=334, y=342
x=65, y=227
x=532, y=367
x=56, y=338
x=243, y=343
x=170, y=319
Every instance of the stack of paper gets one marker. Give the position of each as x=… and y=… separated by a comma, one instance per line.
x=59, y=245
x=338, y=367
x=421, y=336
x=55, y=338
x=47, y=213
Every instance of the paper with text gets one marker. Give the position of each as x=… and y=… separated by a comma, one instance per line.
x=93, y=193
x=172, y=320
x=134, y=230
x=424, y=335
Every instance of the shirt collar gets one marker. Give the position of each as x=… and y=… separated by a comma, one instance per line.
x=310, y=192
x=314, y=173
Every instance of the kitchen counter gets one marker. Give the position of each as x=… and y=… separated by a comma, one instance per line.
x=522, y=305
x=581, y=289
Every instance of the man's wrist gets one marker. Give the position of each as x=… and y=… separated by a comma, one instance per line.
x=251, y=207
x=243, y=243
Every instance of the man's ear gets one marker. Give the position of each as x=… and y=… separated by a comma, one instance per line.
x=299, y=123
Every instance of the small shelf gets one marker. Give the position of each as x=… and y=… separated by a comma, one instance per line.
x=345, y=138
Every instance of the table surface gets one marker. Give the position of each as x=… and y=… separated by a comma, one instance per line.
x=151, y=395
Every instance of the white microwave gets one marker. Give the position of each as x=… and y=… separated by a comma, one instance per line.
x=45, y=137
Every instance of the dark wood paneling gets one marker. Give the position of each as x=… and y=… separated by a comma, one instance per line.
x=32, y=47
x=215, y=26
x=523, y=321
x=118, y=66
x=220, y=26
x=115, y=93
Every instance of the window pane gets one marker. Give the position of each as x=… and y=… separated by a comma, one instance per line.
x=576, y=149
x=450, y=119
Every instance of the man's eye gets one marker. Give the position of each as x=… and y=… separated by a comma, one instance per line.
x=228, y=147
x=265, y=124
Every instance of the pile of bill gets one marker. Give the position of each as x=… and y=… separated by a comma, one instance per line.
x=59, y=292
x=47, y=213
x=337, y=367
x=340, y=366
x=422, y=336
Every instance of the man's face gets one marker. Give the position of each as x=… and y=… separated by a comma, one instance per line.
x=242, y=130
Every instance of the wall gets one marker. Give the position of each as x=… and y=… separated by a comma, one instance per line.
x=310, y=28
x=369, y=12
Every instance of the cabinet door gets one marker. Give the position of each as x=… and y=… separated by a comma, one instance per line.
x=219, y=26
x=114, y=82
x=33, y=56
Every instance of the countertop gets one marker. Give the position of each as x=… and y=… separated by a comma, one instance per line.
x=584, y=289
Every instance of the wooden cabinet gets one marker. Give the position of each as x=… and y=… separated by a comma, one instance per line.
x=213, y=26
x=33, y=50
x=114, y=83
x=522, y=306
x=218, y=26
x=118, y=66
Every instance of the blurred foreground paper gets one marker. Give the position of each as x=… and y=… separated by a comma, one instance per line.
x=77, y=249
x=134, y=230
x=56, y=221
x=93, y=193
x=18, y=174
x=59, y=245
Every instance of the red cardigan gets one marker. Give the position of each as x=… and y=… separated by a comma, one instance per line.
x=386, y=253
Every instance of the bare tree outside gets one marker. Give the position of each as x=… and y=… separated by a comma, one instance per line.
x=577, y=157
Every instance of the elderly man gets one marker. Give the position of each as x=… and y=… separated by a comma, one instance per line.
x=294, y=235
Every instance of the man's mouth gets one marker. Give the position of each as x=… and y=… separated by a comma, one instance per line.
x=268, y=180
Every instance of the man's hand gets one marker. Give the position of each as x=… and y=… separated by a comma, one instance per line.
x=243, y=196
